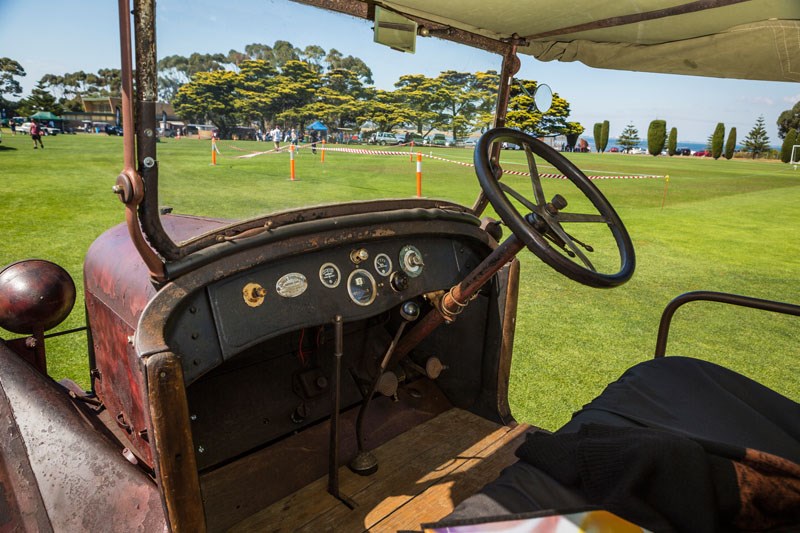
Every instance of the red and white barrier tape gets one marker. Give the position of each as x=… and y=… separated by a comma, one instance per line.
x=364, y=151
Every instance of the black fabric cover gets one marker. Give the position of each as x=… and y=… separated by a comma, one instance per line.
x=701, y=400
x=692, y=405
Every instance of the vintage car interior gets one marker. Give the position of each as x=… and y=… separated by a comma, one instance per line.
x=345, y=367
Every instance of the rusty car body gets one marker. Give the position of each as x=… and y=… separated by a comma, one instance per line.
x=236, y=366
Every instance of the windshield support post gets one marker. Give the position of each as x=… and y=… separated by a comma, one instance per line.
x=509, y=68
x=146, y=97
x=130, y=186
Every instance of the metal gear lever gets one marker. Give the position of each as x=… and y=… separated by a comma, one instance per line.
x=365, y=463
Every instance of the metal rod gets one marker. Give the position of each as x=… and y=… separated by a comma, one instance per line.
x=509, y=67
x=66, y=332
x=333, y=453
x=720, y=297
x=365, y=404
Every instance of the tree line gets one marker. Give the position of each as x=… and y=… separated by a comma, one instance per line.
x=281, y=84
x=756, y=142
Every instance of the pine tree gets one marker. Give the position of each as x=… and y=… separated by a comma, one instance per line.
x=39, y=100
x=629, y=138
x=757, y=141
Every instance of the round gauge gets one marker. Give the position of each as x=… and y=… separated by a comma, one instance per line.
x=383, y=265
x=411, y=260
x=329, y=275
x=361, y=287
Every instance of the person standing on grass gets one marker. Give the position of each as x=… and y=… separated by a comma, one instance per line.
x=13, y=128
x=276, y=137
x=36, y=135
x=313, y=142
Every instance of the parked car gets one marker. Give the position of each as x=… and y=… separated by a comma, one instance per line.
x=113, y=130
x=414, y=137
x=24, y=128
x=165, y=132
x=438, y=139
x=50, y=130
x=683, y=151
x=383, y=138
x=614, y=150
x=702, y=153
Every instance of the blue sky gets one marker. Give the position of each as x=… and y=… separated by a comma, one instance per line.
x=83, y=35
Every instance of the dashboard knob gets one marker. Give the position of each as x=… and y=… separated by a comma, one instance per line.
x=399, y=281
x=359, y=256
x=409, y=311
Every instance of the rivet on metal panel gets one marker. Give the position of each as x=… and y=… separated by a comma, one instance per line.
x=149, y=162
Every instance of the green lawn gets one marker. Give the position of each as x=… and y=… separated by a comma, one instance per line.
x=727, y=226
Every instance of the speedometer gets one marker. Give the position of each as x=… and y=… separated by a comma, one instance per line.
x=361, y=287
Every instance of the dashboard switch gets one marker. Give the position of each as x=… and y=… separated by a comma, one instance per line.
x=398, y=281
x=359, y=256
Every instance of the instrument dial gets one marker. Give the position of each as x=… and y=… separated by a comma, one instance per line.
x=361, y=287
x=329, y=275
x=383, y=265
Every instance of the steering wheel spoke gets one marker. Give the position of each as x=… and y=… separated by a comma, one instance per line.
x=578, y=217
x=543, y=232
x=538, y=192
x=521, y=199
x=567, y=239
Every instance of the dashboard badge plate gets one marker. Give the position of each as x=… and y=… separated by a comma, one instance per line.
x=291, y=285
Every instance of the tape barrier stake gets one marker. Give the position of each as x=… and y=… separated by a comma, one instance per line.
x=419, y=174
x=291, y=161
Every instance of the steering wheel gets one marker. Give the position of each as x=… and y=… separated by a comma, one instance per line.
x=541, y=230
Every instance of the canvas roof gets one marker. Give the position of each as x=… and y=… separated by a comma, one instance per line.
x=748, y=39
x=318, y=126
x=45, y=115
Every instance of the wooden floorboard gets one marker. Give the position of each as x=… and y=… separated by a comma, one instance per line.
x=422, y=475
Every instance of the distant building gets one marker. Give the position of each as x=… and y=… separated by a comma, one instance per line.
x=103, y=110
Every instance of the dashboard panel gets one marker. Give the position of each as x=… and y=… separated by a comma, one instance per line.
x=356, y=281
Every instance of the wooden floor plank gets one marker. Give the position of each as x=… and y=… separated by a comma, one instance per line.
x=456, y=449
x=441, y=498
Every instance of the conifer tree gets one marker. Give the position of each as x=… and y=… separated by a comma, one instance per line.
x=730, y=146
x=656, y=135
x=629, y=138
x=717, y=140
x=672, y=142
x=757, y=141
